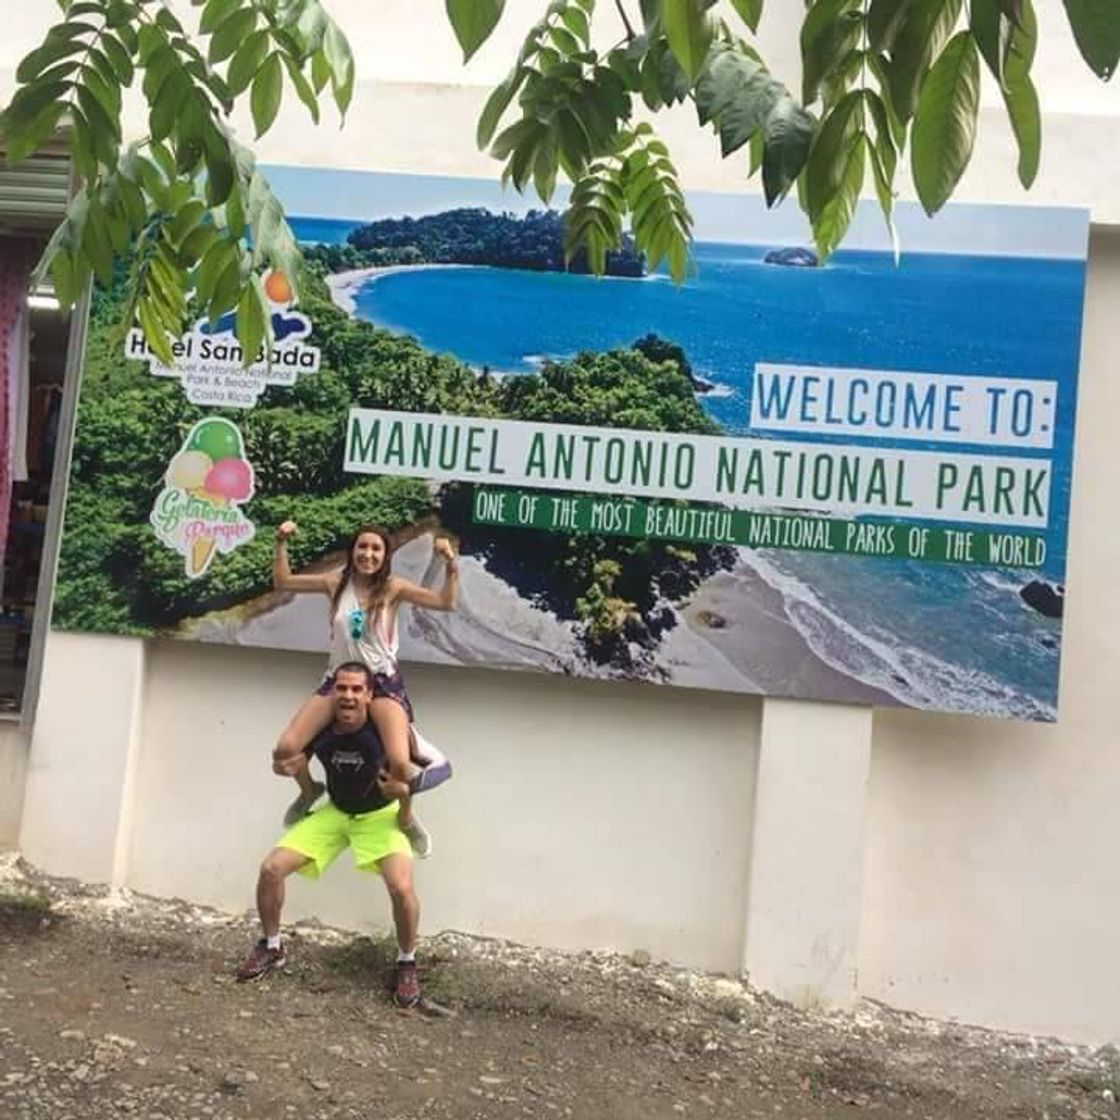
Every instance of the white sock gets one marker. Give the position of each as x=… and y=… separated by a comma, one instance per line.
x=273, y=942
x=406, y=958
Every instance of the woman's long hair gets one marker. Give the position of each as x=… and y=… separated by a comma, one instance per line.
x=379, y=581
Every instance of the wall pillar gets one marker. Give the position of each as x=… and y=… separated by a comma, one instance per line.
x=806, y=872
x=77, y=811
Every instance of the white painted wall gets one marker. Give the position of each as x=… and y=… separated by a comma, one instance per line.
x=992, y=865
x=989, y=882
x=580, y=815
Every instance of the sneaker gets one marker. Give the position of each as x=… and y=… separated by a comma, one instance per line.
x=419, y=837
x=261, y=959
x=407, y=990
x=302, y=804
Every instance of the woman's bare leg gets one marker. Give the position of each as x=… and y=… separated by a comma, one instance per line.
x=313, y=716
x=391, y=721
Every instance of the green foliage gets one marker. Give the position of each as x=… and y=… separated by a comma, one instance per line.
x=876, y=74
x=115, y=575
x=615, y=588
x=471, y=235
x=185, y=206
x=188, y=210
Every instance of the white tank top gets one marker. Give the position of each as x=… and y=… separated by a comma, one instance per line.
x=375, y=647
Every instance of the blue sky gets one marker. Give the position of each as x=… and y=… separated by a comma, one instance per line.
x=961, y=228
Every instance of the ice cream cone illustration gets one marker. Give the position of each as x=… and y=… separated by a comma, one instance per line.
x=211, y=476
x=202, y=546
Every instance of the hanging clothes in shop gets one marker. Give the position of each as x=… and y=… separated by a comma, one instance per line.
x=17, y=258
x=19, y=393
x=42, y=426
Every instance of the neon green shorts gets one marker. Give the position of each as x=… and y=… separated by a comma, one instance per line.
x=323, y=834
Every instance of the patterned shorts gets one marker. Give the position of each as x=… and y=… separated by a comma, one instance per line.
x=389, y=685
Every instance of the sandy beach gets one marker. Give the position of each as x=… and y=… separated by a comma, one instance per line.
x=737, y=618
x=344, y=286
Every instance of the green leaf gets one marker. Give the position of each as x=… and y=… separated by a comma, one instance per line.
x=828, y=160
x=108, y=96
x=1096, y=27
x=247, y=61
x=884, y=18
x=231, y=34
x=565, y=41
x=750, y=12
x=341, y=62
x=738, y=94
x=44, y=57
x=168, y=105
x=303, y=88
x=213, y=264
x=264, y=100
x=756, y=151
x=32, y=136
x=495, y=107
x=831, y=223
x=96, y=245
x=196, y=243
x=105, y=129
x=928, y=24
x=884, y=190
x=228, y=289
x=473, y=21
x=1021, y=99
x=945, y=124
x=1020, y=96
x=219, y=168
x=544, y=171
x=320, y=71
x=828, y=36
x=68, y=278
x=186, y=220
x=575, y=20
x=154, y=332
x=990, y=28
x=30, y=101
x=878, y=66
x=884, y=134
x=787, y=140
x=215, y=13
x=235, y=214
x=690, y=30
x=119, y=58
x=253, y=319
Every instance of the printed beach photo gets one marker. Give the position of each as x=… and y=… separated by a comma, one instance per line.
x=449, y=296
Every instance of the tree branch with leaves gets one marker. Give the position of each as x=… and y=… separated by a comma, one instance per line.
x=185, y=204
x=878, y=77
x=196, y=221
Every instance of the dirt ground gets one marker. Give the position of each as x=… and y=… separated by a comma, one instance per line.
x=116, y=1006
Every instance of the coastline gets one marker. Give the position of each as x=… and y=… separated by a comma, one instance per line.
x=344, y=286
x=740, y=618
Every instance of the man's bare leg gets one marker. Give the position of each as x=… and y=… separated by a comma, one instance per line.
x=268, y=953
x=396, y=870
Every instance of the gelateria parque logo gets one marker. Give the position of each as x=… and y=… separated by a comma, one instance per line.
x=198, y=511
x=209, y=362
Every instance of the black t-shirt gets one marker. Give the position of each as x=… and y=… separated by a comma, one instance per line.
x=352, y=761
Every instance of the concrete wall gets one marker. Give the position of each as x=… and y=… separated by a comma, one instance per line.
x=580, y=815
x=992, y=883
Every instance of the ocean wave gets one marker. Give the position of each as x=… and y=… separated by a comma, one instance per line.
x=913, y=676
x=719, y=389
x=999, y=581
